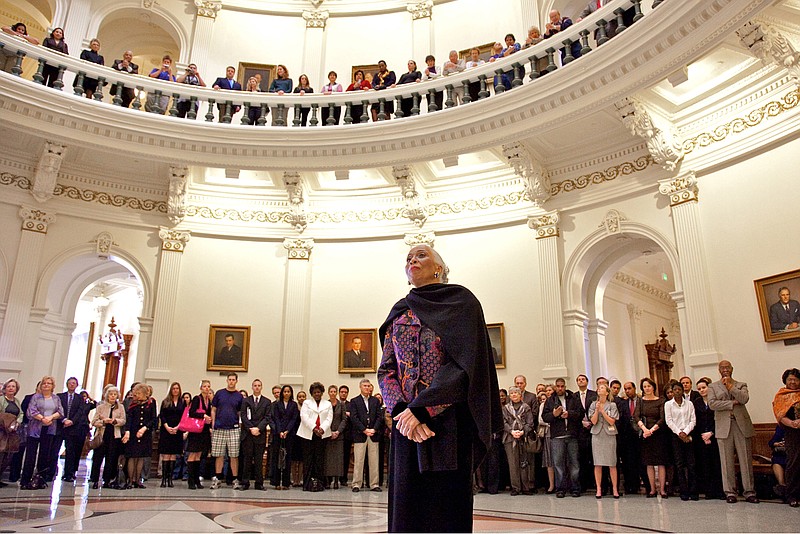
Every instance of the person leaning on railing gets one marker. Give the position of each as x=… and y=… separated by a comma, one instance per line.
x=303, y=88
x=327, y=89
x=359, y=84
x=282, y=84
x=93, y=56
x=125, y=64
x=54, y=42
x=190, y=77
x=7, y=58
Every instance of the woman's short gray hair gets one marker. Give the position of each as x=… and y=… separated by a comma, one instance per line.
x=439, y=261
x=514, y=389
x=108, y=389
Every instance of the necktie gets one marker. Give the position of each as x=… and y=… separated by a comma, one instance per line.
x=230, y=82
x=632, y=405
x=786, y=307
x=69, y=404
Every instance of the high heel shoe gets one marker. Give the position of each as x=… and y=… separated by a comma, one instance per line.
x=616, y=495
x=95, y=485
x=600, y=496
x=651, y=495
x=664, y=496
x=335, y=484
x=169, y=482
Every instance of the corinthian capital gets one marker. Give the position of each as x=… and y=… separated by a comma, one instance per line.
x=681, y=189
x=316, y=18
x=208, y=8
x=420, y=10
x=298, y=249
x=662, y=141
x=173, y=240
x=533, y=174
x=546, y=225
x=35, y=220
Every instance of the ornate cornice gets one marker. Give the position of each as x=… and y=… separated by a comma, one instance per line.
x=680, y=189
x=208, y=8
x=770, y=46
x=173, y=240
x=546, y=225
x=755, y=117
x=35, y=220
x=642, y=286
x=298, y=248
x=598, y=177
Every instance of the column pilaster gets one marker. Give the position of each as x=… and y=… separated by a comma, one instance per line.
x=421, y=27
x=76, y=23
x=13, y=350
x=203, y=28
x=296, y=305
x=314, y=44
x=173, y=243
x=596, y=328
x=699, y=334
x=547, y=232
x=640, y=366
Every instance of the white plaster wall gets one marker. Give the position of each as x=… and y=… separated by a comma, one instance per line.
x=745, y=212
x=468, y=23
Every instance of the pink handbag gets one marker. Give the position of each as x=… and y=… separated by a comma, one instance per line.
x=191, y=424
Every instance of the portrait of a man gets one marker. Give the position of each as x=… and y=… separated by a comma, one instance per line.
x=357, y=351
x=228, y=348
x=784, y=315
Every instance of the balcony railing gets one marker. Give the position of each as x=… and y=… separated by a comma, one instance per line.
x=484, y=77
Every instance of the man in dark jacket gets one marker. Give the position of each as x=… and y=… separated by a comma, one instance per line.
x=366, y=420
x=255, y=418
x=71, y=430
x=563, y=412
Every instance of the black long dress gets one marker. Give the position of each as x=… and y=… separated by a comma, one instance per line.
x=437, y=336
x=170, y=415
x=199, y=441
x=284, y=418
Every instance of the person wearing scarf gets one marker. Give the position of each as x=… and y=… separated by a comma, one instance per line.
x=439, y=382
x=786, y=407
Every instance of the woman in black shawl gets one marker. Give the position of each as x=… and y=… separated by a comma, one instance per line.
x=439, y=382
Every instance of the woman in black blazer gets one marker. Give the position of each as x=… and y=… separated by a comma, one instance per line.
x=285, y=419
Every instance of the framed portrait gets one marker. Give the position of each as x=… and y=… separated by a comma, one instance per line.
x=358, y=350
x=369, y=72
x=778, y=305
x=497, y=337
x=267, y=73
x=485, y=51
x=228, y=348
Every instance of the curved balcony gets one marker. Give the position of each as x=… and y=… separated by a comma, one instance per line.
x=661, y=41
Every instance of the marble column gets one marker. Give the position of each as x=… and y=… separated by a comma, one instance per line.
x=296, y=306
x=421, y=28
x=314, y=47
x=13, y=350
x=75, y=22
x=140, y=349
x=203, y=28
x=173, y=243
x=699, y=334
x=547, y=233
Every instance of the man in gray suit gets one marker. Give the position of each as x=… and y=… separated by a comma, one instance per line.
x=734, y=430
x=355, y=358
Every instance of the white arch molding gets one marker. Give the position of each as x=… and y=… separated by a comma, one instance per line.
x=587, y=273
x=182, y=34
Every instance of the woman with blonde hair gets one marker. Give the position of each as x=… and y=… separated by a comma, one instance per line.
x=109, y=418
x=138, y=438
x=43, y=411
x=199, y=442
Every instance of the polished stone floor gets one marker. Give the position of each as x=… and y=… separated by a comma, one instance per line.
x=75, y=507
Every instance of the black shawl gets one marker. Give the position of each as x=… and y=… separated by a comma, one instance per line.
x=453, y=312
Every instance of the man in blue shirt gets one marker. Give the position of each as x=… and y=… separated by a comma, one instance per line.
x=225, y=434
x=163, y=73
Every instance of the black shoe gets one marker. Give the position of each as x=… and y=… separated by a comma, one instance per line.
x=356, y=489
x=576, y=493
x=26, y=487
x=3, y=484
x=651, y=495
x=731, y=499
x=514, y=493
x=95, y=485
x=260, y=487
x=695, y=497
x=243, y=487
x=377, y=489
x=752, y=499
x=560, y=494
x=191, y=484
x=550, y=491
x=794, y=503
x=684, y=497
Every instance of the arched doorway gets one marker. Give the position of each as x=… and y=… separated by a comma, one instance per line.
x=618, y=289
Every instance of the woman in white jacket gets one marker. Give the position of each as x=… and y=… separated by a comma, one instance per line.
x=316, y=416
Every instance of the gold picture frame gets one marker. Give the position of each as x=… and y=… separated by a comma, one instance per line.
x=358, y=350
x=266, y=71
x=771, y=310
x=235, y=358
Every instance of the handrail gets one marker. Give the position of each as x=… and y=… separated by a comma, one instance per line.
x=578, y=32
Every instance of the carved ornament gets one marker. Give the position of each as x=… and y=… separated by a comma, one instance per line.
x=420, y=10
x=208, y=8
x=414, y=200
x=173, y=240
x=44, y=181
x=103, y=243
x=422, y=238
x=316, y=18
x=770, y=45
x=681, y=189
x=297, y=216
x=178, y=191
x=612, y=222
x=35, y=220
x=545, y=225
x=298, y=248
x=662, y=143
x=533, y=174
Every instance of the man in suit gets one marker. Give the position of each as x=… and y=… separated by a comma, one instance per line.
x=255, y=418
x=230, y=354
x=785, y=314
x=355, y=358
x=688, y=393
x=344, y=392
x=366, y=420
x=71, y=430
x=632, y=470
x=229, y=84
x=586, y=396
x=533, y=402
x=734, y=429
x=125, y=64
